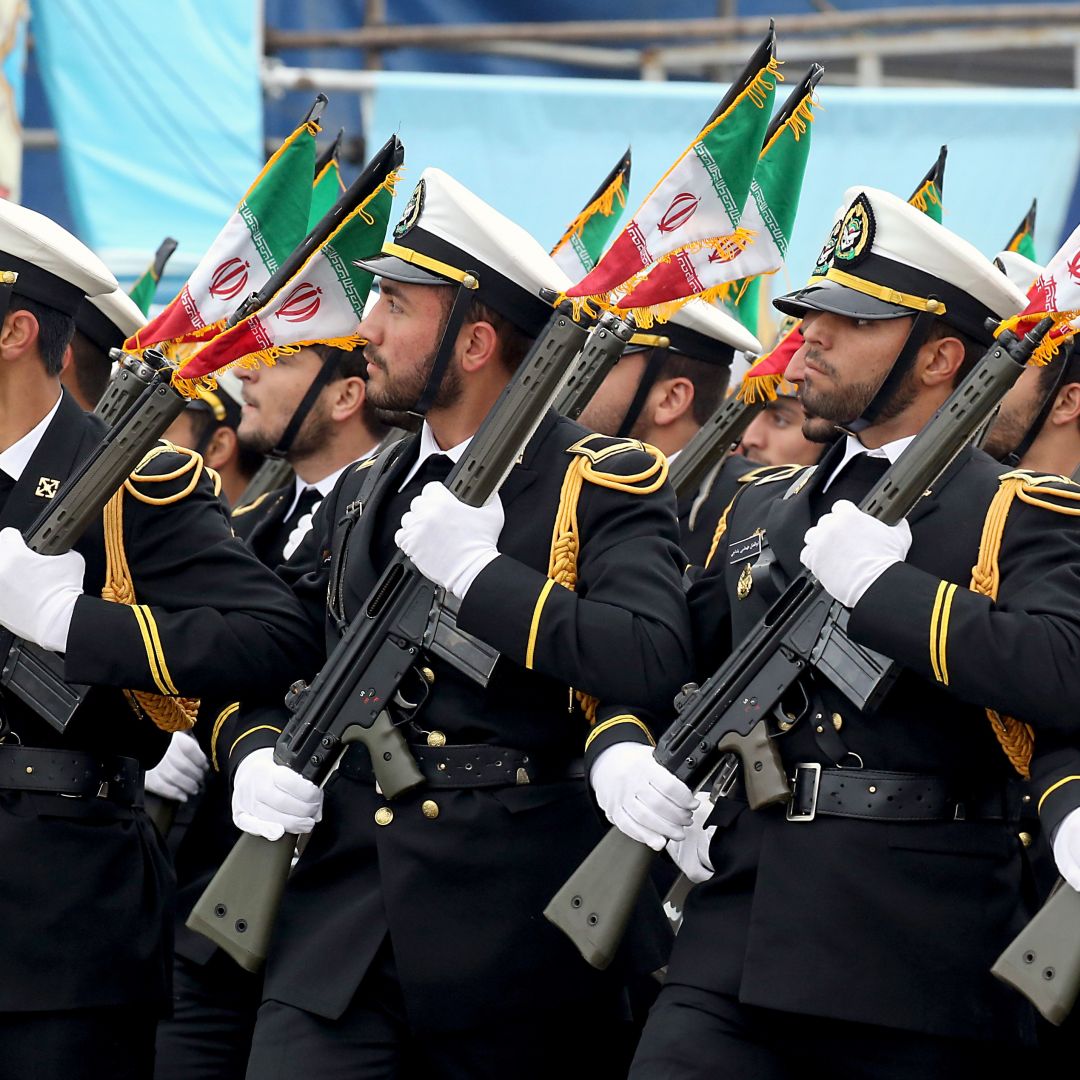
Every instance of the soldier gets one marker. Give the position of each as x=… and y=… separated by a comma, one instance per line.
x=859, y=924
x=662, y=394
x=158, y=599
x=101, y=323
x=214, y=1000
x=411, y=933
x=775, y=436
x=319, y=436
x=209, y=427
x=1038, y=425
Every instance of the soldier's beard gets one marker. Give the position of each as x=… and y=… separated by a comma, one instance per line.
x=400, y=393
x=825, y=409
x=1009, y=428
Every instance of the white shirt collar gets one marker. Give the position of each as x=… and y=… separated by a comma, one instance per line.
x=326, y=484
x=17, y=456
x=429, y=446
x=852, y=448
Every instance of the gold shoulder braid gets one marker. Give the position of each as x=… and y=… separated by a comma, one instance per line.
x=565, y=537
x=169, y=711
x=1017, y=739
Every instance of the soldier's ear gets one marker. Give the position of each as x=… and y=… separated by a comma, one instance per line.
x=942, y=358
x=1066, y=408
x=478, y=345
x=19, y=334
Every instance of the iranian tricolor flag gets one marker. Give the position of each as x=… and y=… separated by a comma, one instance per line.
x=144, y=290
x=322, y=303
x=328, y=184
x=1022, y=240
x=698, y=202
x=269, y=222
x=927, y=196
x=587, y=235
x=767, y=374
x=1056, y=292
x=768, y=212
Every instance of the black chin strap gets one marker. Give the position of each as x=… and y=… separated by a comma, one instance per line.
x=653, y=367
x=901, y=366
x=296, y=421
x=1032, y=433
x=446, y=350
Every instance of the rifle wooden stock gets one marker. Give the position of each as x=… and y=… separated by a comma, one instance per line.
x=348, y=700
x=730, y=710
x=1043, y=960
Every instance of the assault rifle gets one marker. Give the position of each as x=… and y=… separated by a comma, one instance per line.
x=1043, y=960
x=34, y=675
x=711, y=444
x=804, y=629
x=361, y=694
x=605, y=345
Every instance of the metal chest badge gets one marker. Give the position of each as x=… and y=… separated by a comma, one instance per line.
x=747, y=552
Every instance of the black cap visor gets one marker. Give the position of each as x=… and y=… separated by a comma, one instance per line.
x=390, y=266
x=837, y=299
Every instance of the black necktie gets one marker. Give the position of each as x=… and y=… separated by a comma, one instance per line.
x=7, y=485
x=308, y=498
x=855, y=479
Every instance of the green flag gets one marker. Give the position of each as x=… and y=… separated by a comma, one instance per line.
x=927, y=196
x=144, y=290
x=1023, y=239
x=328, y=184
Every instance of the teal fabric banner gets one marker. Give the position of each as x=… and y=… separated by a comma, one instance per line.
x=536, y=148
x=159, y=112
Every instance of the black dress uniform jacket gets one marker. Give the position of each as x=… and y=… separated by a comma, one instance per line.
x=886, y=922
x=87, y=887
x=261, y=524
x=700, y=510
x=459, y=878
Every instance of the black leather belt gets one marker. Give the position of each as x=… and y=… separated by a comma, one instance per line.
x=475, y=765
x=70, y=772
x=883, y=796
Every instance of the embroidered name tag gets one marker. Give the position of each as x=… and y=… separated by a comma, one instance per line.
x=750, y=548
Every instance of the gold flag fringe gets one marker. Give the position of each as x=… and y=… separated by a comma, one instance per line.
x=1051, y=344
x=605, y=205
x=926, y=195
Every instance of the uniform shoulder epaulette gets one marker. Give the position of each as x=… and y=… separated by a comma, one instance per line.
x=1047, y=490
x=248, y=507
x=627, y=463
x=765, y=474
x=166, y=474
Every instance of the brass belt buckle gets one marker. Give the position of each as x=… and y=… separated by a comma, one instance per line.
x=806, y=772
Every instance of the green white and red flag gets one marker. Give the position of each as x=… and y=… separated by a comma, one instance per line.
x=269, y=222
x=321, y=304
x=927, y=196
x=1056, y=292
x=767, y=374
x=144, y=290
x=768, y=212
x=585, y=238
x=698, y=202
x=328, y=185
x=1022, y=240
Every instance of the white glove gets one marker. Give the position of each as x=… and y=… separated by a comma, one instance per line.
x=691, y=854
x=270, y=800
x=449, y=542
x=847, y=550
x=640, y=797
x=180, y=772
x=1067, y=848
x=38, y=591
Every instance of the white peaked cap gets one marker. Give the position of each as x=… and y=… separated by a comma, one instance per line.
x=54, y=268
x=110, y=319
x=886, y=259
x=449, y=236
x=1019, y=269
x=703, y=332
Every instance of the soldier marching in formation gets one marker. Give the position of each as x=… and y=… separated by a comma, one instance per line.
x=854, y=923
